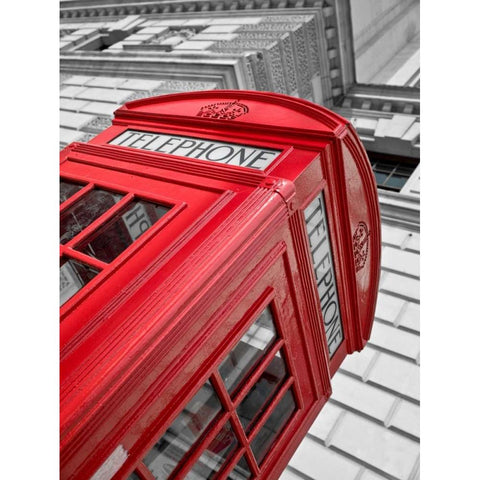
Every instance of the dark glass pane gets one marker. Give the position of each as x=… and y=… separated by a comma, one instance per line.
x=396, y=181
x=260, y=395
x=187, y=428
x=122, y=230
x=73, y=276
x=267, y=435
x=380, y=177
x=133, y=476
x=241, y=471
x=385, y=166
x=93, y=204
x=214, y=456
x=67, y=189
x=248, y=351
x=405, y=169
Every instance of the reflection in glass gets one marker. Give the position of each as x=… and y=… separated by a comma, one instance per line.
x=273, y=426
x=73, y=276
x=251, y=348
x=396, y=181
x=122, y=230
x=93, y=204
x=133, y=476
x=214, y=456
x=260, y=395
x=240, y=471
x=67, y=189
x=186, y=429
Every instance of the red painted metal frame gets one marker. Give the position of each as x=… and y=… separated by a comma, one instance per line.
x=140, y=338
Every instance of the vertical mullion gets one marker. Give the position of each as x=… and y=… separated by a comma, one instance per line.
x=196, y=450
x=144, y=472
x=234, y=420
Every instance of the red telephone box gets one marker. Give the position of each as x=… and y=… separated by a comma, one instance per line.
x=219, y=259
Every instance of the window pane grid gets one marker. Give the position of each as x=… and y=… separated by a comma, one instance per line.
x=89, y=227
x=195, y=452
x=122, y=229
x=271, y=406
x=262, y=366
x=224, y=449
x=236, y=425
x=69, y=200
x=233, y=463
x=391, y=175
x=104, y=218
x=70, y=253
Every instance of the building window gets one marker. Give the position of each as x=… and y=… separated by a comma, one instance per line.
x=391, y=173
x=234, y=420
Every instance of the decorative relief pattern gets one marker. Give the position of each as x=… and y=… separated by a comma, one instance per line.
x=260, y=74
x=360, y=245
x=99, y=124
x=182, y=86
x=249, y=70
x=313, y=45
x=270, y=27
x=183, y=34
x=289, y=64
x=277, y=73
x=223, y=110
x=304, y=68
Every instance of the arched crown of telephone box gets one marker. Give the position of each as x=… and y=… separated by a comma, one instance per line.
x=192, y=221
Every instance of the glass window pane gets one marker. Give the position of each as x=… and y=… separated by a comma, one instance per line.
x=405, y=169
x=260, y=395
x=241, y=471
x=73, y=276
x=93, y=204
x=214, y=456
x=122, y=230
x=187, y=428
x=267, y=435
x=67, y=189
x=248, y=351
x=396, y=181
x=133, y=476
x=380, y=177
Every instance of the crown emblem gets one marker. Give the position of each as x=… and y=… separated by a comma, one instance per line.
x=223, y=110
x=360, y=245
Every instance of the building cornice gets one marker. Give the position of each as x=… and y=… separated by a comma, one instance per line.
x=94, y=8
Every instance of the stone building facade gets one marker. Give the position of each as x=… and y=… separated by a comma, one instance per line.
x=115, y=51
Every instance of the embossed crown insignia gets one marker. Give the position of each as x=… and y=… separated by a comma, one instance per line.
x=360, y=245
x=223, y=110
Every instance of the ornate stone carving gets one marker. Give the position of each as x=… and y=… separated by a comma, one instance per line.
x=360, y=245
x=313, y=44
x=167, y=86
x=289, y=64
x=277, y=73
x=304, y=68
x=99, y=124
